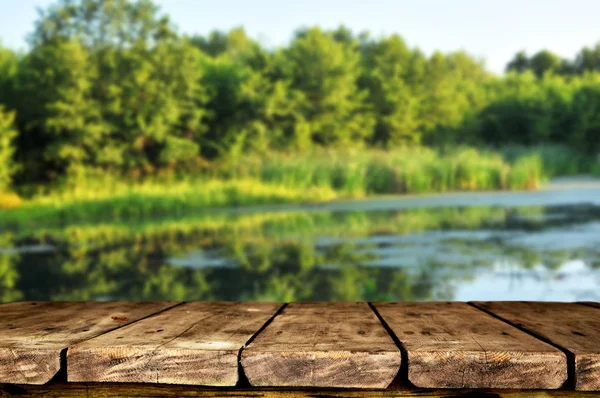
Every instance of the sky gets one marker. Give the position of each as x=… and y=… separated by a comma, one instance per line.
x=492, y=30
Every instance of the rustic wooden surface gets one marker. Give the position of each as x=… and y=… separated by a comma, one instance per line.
x=97, y=390
x=497, y=346
x=573, y=327
x=33, y=335
x=323, y=345
x=453, y=345
x=195, y=343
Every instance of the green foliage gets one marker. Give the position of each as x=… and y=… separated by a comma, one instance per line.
x=545, y=61
x=585, y=135
x=587, y=60
x=7, y=149
x=455, y=91
x=111, y=85
x=390, y=76
x=61, y=123
x=540, y=63
x=525, y=110
x=408, y=170
x=323, y=73
x=527, y=172
x=557, y=159
x=9, y=66
x=111, y=115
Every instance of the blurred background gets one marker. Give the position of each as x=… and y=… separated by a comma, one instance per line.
x=319, y=150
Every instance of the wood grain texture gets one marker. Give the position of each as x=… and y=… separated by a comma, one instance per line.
x=573, y=327
x=323, y=345
x=33, y=335
x=453, y=345
x=128, y=390
x=195, y=343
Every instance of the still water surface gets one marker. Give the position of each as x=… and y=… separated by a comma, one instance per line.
x=479, y=246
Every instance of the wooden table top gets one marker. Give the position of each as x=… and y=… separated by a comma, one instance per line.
x=277, y=348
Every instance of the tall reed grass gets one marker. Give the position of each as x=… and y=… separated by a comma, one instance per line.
x=317, y=176
x=401, y=171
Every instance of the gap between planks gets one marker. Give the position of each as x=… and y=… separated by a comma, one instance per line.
x=197, y=343
x=323, y=345
x=35, y=334
x=242, y=378
x=570, y=382
x=573, y=327
x=266, y=325
x=454, y=345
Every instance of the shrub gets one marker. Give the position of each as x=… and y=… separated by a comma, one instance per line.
x=7, y=149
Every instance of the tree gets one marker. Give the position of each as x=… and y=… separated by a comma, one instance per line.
x=524, y=109
x=540, y=63
x=393, y=94
x=235, y=43
x=553, y=109
x=343, y=35
x=323, y=73
x=545, y=62
x=454, y=91
x=588, y=60
x=585, y=134
x=134, y=91
x=9, y=64
x=158, y=108
x=249, y=106
x=520, y=63
x=111, y=85
x=61, y=123
x=103, y=23
x=7, y=149
x=214, y=45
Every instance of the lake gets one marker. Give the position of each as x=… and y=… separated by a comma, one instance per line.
x=542, y=245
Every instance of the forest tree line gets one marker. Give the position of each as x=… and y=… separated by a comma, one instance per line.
x=111, y=84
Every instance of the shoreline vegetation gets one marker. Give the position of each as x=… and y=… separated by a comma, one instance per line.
x=312, y=177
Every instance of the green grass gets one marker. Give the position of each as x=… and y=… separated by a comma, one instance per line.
x=101, y=200
x=316, y=176
x=557, y=160
x=407, y=170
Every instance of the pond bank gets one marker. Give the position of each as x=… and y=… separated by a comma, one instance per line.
x=277, y=178
x=151, y=202
x=558, y=191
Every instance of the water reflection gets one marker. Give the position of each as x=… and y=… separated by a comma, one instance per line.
x=448, y=253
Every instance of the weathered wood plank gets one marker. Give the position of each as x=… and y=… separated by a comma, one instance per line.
x=127, y=390
x=32, y=335
x=573, y=327
x=323, y=345
x=195, y=343
x=453, y=345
